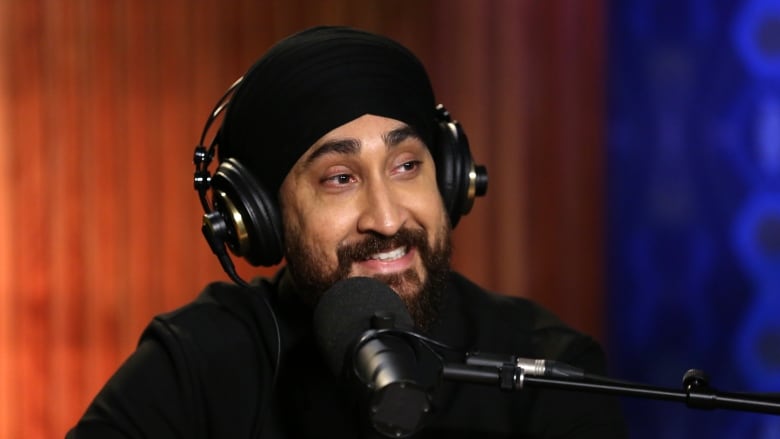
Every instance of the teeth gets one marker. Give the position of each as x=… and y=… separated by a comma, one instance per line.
x=391, y=255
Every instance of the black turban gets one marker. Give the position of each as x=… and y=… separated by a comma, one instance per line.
x=312, y=82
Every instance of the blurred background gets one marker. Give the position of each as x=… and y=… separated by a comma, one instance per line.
x=693, y=205
x=633, y=149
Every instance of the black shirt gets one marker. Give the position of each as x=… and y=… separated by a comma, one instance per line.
x=206, y=371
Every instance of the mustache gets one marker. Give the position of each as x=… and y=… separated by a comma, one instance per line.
x=375, y=243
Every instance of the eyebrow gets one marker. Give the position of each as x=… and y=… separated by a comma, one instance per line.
x=398, y=135
x=350, y=146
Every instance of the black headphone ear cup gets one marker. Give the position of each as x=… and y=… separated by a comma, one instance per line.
x=254, y=226
x=455, y=169
x=449, y=166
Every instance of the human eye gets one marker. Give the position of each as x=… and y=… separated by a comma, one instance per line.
x=411, y=165
x=337, y=180
x=408, y=167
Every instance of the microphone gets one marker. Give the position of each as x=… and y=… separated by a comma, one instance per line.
x=351, y=323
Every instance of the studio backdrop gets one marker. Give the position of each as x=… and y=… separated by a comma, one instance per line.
x=102, y=103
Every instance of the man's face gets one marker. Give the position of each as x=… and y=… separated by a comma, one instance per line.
x=363, y=201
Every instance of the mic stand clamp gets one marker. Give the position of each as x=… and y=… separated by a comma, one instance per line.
x=510, y=379
x=697, y=388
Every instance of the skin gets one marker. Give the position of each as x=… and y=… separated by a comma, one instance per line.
x=369, y=178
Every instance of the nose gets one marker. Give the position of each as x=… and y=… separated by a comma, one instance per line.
x=382, y=210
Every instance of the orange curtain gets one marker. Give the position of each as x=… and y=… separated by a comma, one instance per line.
x=102, y=102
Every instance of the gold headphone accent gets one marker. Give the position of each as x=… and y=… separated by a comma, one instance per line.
x=242, y=236
x=472, y=190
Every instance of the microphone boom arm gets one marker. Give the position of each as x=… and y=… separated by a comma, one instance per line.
x=696, y=391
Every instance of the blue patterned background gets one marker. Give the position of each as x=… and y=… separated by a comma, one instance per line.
x=694, y=207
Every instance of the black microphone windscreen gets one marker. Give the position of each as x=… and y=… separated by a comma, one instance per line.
x=344, y=312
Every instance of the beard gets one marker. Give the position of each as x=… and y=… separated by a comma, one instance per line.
x=421, y=297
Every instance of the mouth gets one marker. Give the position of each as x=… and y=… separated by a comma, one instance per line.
x=394, y=260
x=377, y=255
x=390, y=256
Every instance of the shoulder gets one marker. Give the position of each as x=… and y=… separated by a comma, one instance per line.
x=201, y=370
x=222, y=299
x=222, y=310
x=521, y=326
x=222, y=316
x=224, y=347
x=510, y=312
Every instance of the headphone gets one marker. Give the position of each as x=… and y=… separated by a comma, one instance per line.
x=246, y=218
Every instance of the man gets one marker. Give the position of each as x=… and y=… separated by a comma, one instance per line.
x=334, y=133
